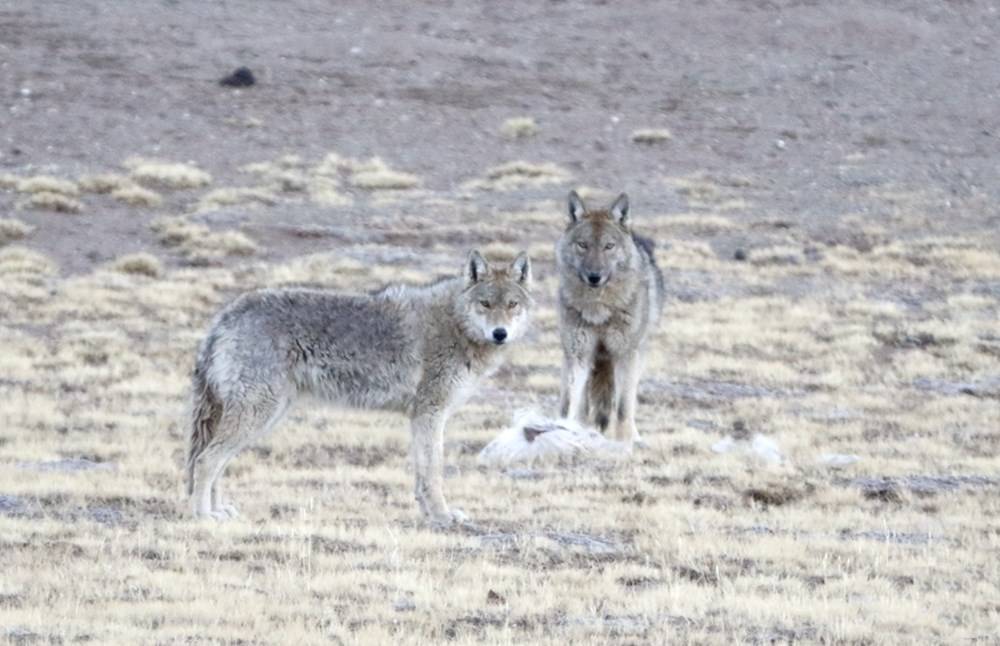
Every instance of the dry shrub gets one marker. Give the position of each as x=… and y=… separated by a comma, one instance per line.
x=104, y=183
x=13, y=229
x=136, y=195
x=168, y=175
x=47, y=184
x=47, y=201
x=652, y=136
x=519, y=128
x=232, y=195
x=143, y=264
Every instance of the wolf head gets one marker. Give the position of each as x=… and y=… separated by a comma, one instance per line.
x=597, y=244
x=495, y=304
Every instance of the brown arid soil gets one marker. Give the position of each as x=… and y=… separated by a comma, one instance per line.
x=821, y=179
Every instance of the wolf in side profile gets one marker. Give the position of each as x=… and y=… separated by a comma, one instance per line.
x=415, y=350
x=610, y=298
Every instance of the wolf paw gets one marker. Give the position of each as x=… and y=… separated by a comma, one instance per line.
x=448, y=519
x=212, y=514
x=229, y=509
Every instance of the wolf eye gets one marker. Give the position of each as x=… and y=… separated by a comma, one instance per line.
x=511, y=305
x=609, y=246
x=582, y=245
x=485, y=304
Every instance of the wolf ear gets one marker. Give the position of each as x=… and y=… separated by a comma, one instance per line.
x=475, y=267
x=619, y=210
x=521, y=268
x=576, y=207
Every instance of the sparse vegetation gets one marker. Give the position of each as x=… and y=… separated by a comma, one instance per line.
x=13, y=229
x=651, y=136
x=167, y=175
x=676, y=543
x=49, y=201
x=143, y=264
x=519, y=128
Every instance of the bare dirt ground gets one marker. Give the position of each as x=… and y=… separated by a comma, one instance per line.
x=822, y=182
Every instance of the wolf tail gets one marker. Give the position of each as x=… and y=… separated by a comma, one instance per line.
x=601, y=388
x=205, y=415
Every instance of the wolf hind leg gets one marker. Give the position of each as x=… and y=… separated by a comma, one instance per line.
x=240, y=426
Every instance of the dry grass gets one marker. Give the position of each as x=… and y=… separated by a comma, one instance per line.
x=167, y=175
x=12, y=229
x=231, y=196
x=49, y=201
x=519, y=128
x=137, y=196
x=378, y=176
x=651, y=136
x=519, y=174
x=143, y=264
x=198, y=243
x=47, y=184
x=104, y=183
x=828, y=353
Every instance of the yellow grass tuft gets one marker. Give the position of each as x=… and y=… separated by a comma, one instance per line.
x=651, y=136
x=13, y=229
x=22, y=260
x=48, y=184
x=323, y=191
x=376, y=175
x=518, y=174
x=104, y=183
x=135, y=195
x=8, y=181
x=199, y=243
x=519, y=128
x=143, y=264
x=168, y=175
x=47, y=201
x=230, y=196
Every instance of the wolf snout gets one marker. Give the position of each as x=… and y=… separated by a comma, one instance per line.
x=499, y=335
x=594, y=279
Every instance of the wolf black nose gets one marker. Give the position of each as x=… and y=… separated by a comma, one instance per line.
x=593, y=279
x=499, y=334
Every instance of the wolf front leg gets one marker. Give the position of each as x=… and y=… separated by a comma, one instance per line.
x=427, y=429
x=572, y=401
x=627, y=373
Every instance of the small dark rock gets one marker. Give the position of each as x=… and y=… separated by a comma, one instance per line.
x=241, y=77
x=495, y=598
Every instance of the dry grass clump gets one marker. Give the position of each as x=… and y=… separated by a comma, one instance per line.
x=198, y=243
x=168, y=175
x=233, y=195
x=48, y=201
x=13, y=229
x=519, y=128
x=104, y=183
x=22, y=260
x=519, y=174
x=8, y=181
x=651, y=136
x=285, y=174
x=143, y=264
x=376, y=175
x=136, y=195
x=47, y=184
x=324, y=192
